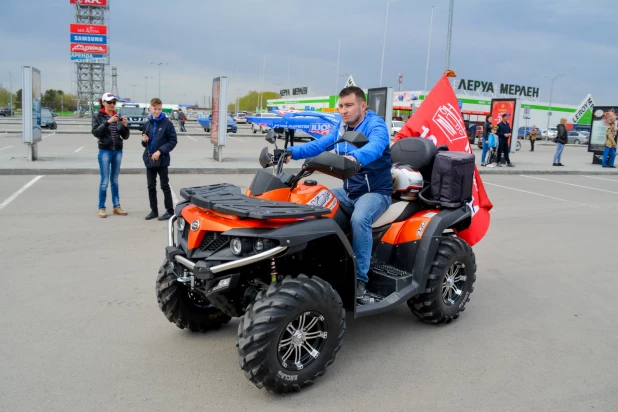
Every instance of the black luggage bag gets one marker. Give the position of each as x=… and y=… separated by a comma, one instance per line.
x=451, y=177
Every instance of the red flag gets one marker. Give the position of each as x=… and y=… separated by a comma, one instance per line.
x=439, y=120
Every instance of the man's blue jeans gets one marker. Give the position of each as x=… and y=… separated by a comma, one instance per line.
x=609, y=155
x=364, y=211
x=109, y=165
x=558, y=154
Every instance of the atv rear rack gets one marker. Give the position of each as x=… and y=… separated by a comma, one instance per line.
x=226, y=198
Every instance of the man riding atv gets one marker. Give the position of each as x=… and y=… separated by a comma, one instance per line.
x=366, y=195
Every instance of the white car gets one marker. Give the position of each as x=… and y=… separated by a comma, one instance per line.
x=262, y=128
x=240, y=118
x=396, y=127
x=553, y=132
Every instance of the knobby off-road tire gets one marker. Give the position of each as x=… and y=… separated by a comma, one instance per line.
x=290, y=334
x=184, y=308
x=449, y=285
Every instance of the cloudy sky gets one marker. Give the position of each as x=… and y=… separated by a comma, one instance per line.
x=511, y=42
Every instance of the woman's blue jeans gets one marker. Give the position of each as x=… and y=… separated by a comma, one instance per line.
x=109, y=165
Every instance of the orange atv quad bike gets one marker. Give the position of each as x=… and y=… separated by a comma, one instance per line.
x=277, y=258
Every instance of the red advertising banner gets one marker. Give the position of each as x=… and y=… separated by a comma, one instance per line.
x=214, y=126
x=89, y=48
x=93, y=3
x=500, y=108
x=439, y=120
x=88, y=29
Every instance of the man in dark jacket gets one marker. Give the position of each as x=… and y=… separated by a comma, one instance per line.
x=366, y=195
x=561, y=139
x=504, y=134
x=182, y=118
x=159, y=139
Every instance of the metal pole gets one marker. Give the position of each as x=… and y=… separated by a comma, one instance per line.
x=388, y=2
x=289, y=66
x=11, y=91
x=337, y=76
x=551, y=94
x=428, y=49
x=449, y=34
x=262, y=88
x=159, y=80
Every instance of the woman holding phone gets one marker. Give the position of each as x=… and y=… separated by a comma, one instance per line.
x=110, y=130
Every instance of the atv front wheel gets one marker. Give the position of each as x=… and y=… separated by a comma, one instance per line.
x=290, y=334
x=183, y=307
x=449, y=285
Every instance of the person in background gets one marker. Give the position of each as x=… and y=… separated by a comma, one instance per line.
x=289, y=137
x=533, y=134
x=182, y=118
x=504, y=133
x=609, y=154
x=492, y=144
x=486, y=132
x=561, y=139
x=159, y=139
x=110, y=130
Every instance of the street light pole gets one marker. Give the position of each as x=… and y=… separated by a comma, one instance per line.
x=388, y=3
x=262, y=88
x=159, y=64
x=146, y=78
x=11, y=91
x=551, y=93
x=337, y=76
x=428, y=49
x=289, y=67
x=449, y=34
x=134, y=86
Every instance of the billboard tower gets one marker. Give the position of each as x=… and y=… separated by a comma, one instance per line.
x=89, y=50
x=115, y=81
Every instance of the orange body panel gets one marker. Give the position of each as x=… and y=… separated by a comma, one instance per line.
x=409, y=230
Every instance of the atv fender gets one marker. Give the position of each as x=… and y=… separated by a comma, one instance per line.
x=426, y=252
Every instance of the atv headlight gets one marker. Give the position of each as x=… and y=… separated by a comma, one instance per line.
x=260, y=245
x=181, y=224
x=240, y=246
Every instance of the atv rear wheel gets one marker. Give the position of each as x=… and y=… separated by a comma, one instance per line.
x=449, y=285
x=290, y=334
x=183, y=307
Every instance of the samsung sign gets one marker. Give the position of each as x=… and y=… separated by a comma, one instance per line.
x=489, y=87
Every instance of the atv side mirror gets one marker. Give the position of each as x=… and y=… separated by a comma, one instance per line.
x=356, y=138
x=271, y=136
x=264, y=158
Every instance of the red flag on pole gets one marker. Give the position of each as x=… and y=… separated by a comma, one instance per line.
x=439, y=120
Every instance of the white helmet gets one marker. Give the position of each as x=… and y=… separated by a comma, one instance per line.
x=406, y=181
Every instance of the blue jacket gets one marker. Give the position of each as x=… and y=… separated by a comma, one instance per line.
x=162, y=136
x=503, y=128
x=375, y=157
x=493, y=140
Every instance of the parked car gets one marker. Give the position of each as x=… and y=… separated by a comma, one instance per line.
x=396, y=127
x=240, y=118
x=262, y=128
x=205, y=123
x=584, y=132
x=47, y=119
x=552, y=132
x=136, y=116
x=577, y=137
x=6, y=111
x=528, y=130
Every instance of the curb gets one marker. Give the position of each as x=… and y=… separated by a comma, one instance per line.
x=253, y=170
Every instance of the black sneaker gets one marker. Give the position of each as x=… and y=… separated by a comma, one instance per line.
x=152, y=215
x=360, y=289
x=560, y=164
x=166, y=216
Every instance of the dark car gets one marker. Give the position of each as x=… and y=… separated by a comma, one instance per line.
x=205, y=123
x=48, y=120
x=5, y=111
x=136, y=116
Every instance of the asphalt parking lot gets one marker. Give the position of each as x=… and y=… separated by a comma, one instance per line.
x=81, y=329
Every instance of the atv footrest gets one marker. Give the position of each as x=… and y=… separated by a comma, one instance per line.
x=386, y=279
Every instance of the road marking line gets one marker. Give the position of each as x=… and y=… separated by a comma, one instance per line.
x=19, y=192
x=192, y=138
x=570, y=184
x=48, y=135
x=600, y=178
x=538, y=194
x=79, y=149
x=174, y=198
x=236, y=139
x=6, y=147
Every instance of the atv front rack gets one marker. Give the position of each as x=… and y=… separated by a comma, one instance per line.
x=227, y=198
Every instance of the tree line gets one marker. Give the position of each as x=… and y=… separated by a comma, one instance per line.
x=57, y=100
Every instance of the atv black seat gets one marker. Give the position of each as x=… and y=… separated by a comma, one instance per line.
x=415, y=152
x=226, y=198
